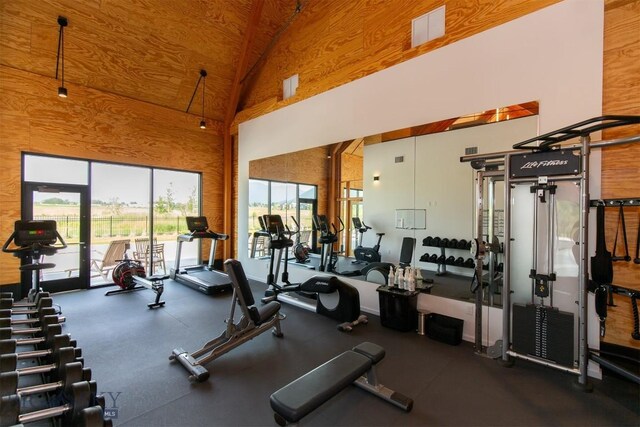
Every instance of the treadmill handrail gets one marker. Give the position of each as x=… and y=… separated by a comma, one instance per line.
x=188, y=237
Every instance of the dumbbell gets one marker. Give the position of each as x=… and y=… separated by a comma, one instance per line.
x=9, y=362
x=70, y=373
x=7, y=332
x=425, y=257
x=462, y=244
x=427, y=241
x=26, y=304
x=469, y=262
x=444, y=243
x=7, y=307
x=441, y=259
x=6, y=320
x=453, y=243
x=47, y=334
x=435, y=241
x=450, y=260
x=459, y=262
x=73, y=410
x=58, y=342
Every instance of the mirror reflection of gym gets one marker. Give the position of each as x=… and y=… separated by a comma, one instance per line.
x=365, y=178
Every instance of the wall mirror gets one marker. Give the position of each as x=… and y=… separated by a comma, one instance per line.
x=403, y=183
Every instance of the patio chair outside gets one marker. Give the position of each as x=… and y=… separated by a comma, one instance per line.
x=156, y=259
x=114, y=253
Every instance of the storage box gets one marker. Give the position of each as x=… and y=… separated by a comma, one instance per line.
x=398, y=308
x=444, y=328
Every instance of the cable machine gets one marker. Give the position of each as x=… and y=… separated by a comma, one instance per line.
x=545, y=318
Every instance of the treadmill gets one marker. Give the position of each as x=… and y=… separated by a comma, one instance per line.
x=200, y=277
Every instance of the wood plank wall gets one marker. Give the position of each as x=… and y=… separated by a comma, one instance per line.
x=621, y=171
x=335, y=42
x=91, y=124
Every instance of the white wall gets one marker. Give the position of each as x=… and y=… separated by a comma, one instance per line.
x=553, y=56
x=431, y=178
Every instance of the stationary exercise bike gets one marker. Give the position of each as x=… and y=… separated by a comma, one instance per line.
x=361, y=253
x=130, y=276
x=30, y=241
x=325, y=295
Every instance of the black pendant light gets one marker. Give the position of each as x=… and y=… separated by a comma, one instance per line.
x=62, y=91
x=203, y=77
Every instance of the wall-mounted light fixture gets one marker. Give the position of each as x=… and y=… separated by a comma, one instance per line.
x=376, y=178
x=203, y=75
x=62, y=91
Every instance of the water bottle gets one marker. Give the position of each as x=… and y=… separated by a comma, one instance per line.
x=391, y=280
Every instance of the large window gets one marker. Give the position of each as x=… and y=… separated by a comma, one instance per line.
x=285, y=199
x=133, y=209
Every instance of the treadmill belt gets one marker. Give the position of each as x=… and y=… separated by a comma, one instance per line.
x=206, y=281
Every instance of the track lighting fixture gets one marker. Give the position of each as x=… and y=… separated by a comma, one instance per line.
x=62, y=91
x=203, y=77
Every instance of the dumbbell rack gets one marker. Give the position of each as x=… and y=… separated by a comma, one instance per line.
x=442, y=259
x=443, y=245
x=43, y=374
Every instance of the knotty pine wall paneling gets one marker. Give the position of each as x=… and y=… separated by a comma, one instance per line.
x=620, y=168
x=91, y=124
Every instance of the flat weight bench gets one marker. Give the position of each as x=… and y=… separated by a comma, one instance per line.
x=357, y=366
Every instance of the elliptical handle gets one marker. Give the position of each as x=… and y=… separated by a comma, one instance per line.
x=5, y=247
x=63, y=244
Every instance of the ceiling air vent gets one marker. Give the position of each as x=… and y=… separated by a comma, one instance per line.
x=289, y=86
x=427, y=27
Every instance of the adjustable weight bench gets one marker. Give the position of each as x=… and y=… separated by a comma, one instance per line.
x=254, y=321
x=357, y=366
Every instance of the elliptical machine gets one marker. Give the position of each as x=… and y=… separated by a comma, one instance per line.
x=328, y=258
x=30, y=241
x=332, y=297
x=361, y=253
x=300, y=249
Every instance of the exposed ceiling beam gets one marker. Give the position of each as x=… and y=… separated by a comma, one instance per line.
x=232, y=106
x=243, y=59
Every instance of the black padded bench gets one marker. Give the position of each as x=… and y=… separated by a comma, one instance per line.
x=357, y=366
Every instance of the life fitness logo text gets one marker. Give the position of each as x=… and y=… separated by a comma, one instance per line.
x=544, y=163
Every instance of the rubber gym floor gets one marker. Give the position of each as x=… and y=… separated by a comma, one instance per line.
x=127, y=347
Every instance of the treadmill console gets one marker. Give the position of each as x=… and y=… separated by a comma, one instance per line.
x=197, y=224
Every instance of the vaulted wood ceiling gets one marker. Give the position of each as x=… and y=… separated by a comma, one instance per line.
x=149, y=50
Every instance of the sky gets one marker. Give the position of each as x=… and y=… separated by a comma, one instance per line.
x=127, y=183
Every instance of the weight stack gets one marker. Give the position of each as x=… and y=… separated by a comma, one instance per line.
x=544, y=332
